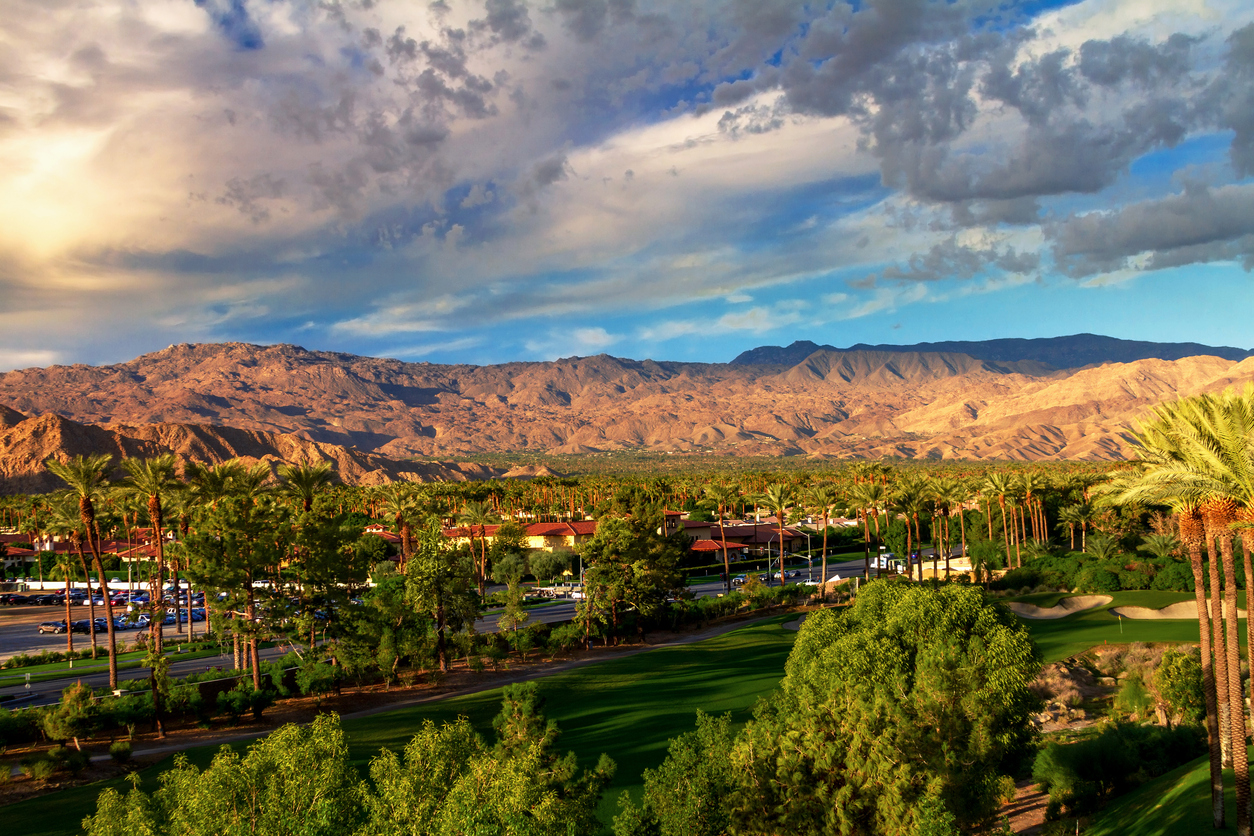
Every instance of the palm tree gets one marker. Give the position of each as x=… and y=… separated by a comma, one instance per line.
x=479, y=515
x=1198, y=455
x=1161, y=546
x=908, y=499
x=63, y=522
x=778, y=498
x=87, y=477
x=822, y=498
x=154, y=479
x=724, y=496
x=868, y=498
x=399, y=503
x=948, y=494
x=998, y=484
x=304, y=481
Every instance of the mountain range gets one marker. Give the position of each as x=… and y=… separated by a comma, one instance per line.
x=1071, y=352
x=999, y=400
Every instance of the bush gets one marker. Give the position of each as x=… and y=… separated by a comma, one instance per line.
x=1097, y=579
x=39, y=768
x=1175, y=576
x=17, y=727
x=120, y=751
x=1080, y=776
x=1133, y=579
x=315, y=677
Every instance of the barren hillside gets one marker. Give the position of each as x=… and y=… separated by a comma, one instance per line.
x=831, y=403
x=29, y=442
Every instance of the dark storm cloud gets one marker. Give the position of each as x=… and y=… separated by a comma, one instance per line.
x=1200, y=225
x=950, y=259
x=1237, y=98
x=509, y=22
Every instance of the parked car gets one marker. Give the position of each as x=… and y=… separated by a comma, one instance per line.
x=52, y=627
x=14, y=599
x=83, y=626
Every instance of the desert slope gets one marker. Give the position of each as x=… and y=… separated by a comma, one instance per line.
x=28, y=443
x=931, y=404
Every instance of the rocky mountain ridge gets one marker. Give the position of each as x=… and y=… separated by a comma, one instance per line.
x=27, y=443
x=832, y=403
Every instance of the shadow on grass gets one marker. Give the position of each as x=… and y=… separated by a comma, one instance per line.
x=628, y=708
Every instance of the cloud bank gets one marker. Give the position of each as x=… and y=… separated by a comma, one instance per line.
x=506, y=179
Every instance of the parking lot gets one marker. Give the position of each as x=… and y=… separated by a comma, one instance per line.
x=19, y=629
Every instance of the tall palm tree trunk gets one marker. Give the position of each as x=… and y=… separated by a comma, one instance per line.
x=91, y=598
x=722, y=537
x=1217, y=645
x=823, y=570
x=1235, y=693
x=1192, y=535
x=69, y=623
x=94, y=544
x=1005, y=532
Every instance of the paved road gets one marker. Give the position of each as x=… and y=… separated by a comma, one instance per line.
x=50, y=691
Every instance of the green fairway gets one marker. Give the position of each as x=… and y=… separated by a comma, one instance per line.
x=1175, y=804
x=628, y=708
x=1064, y=637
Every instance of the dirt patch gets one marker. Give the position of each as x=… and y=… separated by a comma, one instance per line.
x=1064, y=608
x=1027, y=812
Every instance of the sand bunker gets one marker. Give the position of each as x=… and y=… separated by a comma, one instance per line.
x=1065, y=607
x=1184, y=609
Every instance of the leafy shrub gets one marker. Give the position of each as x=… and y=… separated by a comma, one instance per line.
x=1134, y=697
x=564, y=637
x=1097, y=579
x=235, y=703
x=39, y=768
x=1175, y=576
x=18, y=727
x=120, y=751
x=1133, y=579
x=1017, y=579
x=1080, y=776
x=315, y=677
x=1178, y=680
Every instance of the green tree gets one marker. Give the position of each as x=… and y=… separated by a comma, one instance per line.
x=690, y=793
x=916, y=691
x=448, y=781
x=438, y=585
x=74, y=717
x=630, y=566
x=297, y=780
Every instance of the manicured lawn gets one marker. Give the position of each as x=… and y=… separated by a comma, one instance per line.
x=82, y=667
x=1064, y=637
x=628, y=708
x=1175, y=804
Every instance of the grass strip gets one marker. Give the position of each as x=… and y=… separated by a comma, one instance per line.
x=627, y=707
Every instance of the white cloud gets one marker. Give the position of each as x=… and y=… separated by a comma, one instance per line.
x=888, y=300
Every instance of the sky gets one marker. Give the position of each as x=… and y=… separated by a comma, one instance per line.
x=505, y=180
